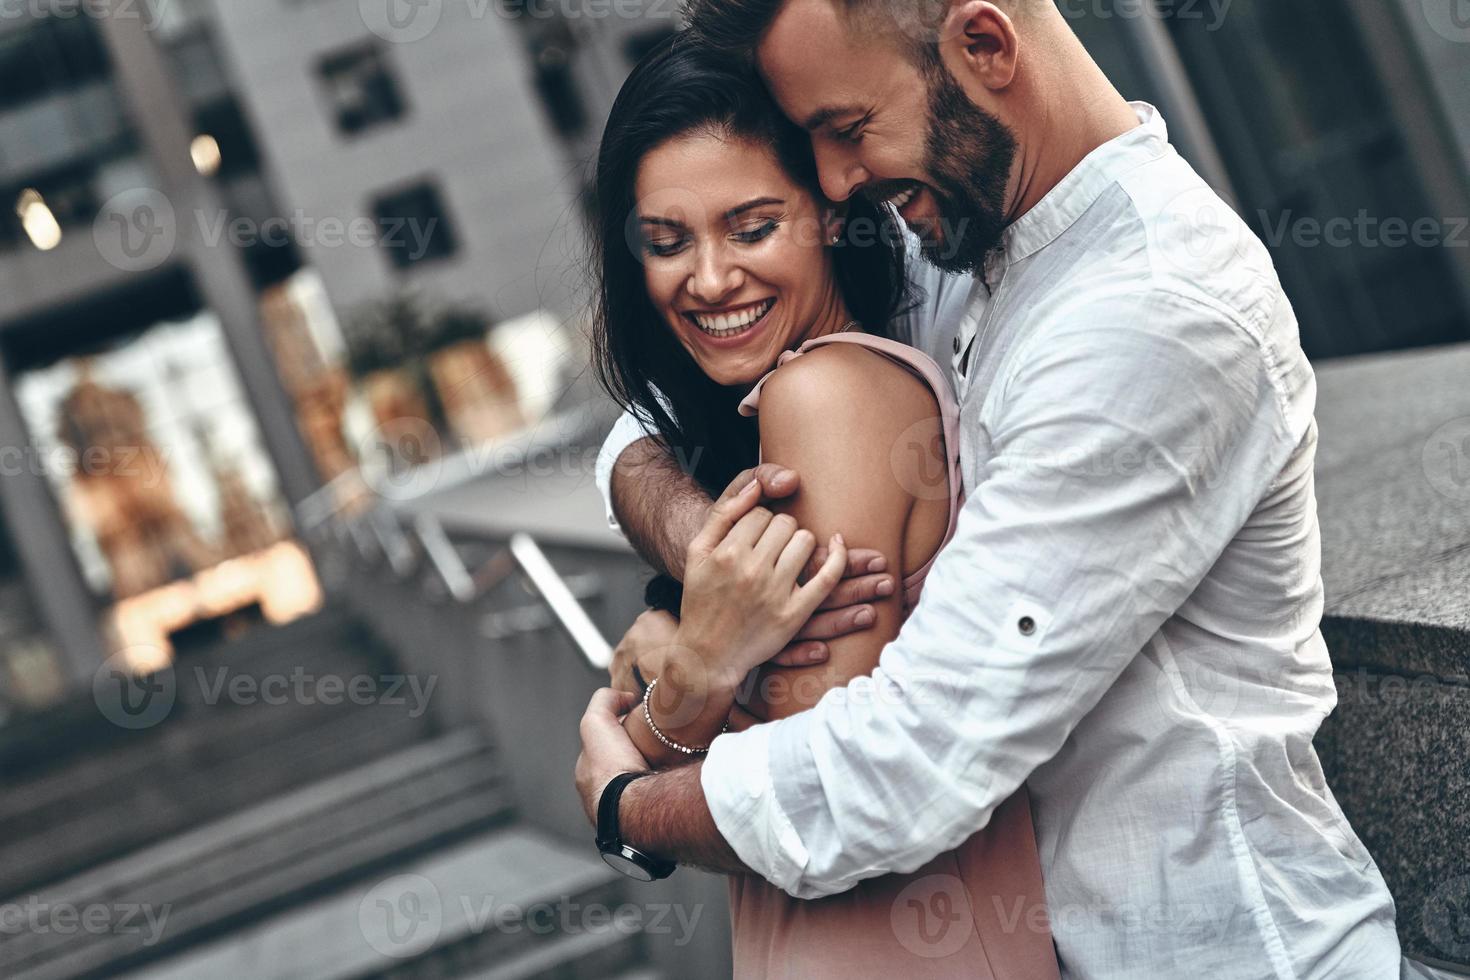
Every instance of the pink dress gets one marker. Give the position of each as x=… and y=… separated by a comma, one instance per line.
x=977, y=912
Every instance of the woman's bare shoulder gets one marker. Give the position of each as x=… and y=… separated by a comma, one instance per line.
x=848, y=384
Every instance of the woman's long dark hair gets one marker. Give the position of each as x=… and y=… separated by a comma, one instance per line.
x=681, y=87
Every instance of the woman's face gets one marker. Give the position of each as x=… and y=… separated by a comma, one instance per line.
x=735, y=254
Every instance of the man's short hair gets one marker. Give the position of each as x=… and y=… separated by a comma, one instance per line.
x=737, y=26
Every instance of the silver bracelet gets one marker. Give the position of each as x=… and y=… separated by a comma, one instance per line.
x=648, y=717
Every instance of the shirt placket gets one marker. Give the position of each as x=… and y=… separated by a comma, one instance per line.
x=973, y=328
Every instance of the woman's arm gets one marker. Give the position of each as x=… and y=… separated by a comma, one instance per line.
x=860, y=429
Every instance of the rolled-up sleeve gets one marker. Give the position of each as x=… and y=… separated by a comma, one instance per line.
x=1123, y=449
x=625, y=431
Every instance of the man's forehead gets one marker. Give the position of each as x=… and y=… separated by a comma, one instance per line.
x=810, y=59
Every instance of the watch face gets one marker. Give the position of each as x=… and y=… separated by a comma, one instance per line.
x=622, y=861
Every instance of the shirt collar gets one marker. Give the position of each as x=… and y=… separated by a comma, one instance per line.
x=1076, y=192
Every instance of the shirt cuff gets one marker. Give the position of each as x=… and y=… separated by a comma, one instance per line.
x=736, y=779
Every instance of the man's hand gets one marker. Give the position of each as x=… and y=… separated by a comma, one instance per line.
x=846, y=610
x=606, y=748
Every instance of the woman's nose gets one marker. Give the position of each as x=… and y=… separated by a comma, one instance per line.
x=714, y=277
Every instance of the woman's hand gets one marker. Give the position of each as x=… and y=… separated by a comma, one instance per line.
x=742, y=599
x=646, y=645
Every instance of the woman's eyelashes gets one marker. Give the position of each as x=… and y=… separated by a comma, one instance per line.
x=664, y=247
x=752, y=235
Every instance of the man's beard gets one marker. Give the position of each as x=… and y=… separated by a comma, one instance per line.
x=969, y=154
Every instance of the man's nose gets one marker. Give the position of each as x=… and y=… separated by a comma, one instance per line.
x=714, y=277
x=838, y=170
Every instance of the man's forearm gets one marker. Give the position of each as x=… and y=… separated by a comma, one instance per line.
x=666, y=814
x=658, y=504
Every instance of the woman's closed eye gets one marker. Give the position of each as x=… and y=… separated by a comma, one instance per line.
x=665, y=246
x=750, y=236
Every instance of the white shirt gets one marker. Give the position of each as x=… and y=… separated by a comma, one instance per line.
x=1126, y=619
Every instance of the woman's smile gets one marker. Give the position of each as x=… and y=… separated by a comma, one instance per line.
x=731, y=326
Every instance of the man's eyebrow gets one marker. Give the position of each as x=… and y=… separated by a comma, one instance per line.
x=823, y=116
x=758, y=202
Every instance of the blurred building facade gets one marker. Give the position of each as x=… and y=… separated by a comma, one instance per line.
x=196, y=196
x=228, y=185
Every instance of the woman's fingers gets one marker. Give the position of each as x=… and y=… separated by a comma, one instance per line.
x=810, y=596
x=746, y=533
x=723, y=515
x=778, y=533
x=792, y=558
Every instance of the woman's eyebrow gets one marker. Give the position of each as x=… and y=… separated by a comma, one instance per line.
x=758, y=202
x=665, y=222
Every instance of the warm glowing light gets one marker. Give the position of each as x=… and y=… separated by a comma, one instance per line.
x=206, y=154
x=279, y=579
x=40, y=225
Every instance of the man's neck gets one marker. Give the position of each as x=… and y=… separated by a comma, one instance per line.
x=1073, y=119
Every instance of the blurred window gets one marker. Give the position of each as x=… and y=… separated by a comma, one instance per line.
x=1324, y=173
x=361, y=89
x=53, y=54
x=414, y=226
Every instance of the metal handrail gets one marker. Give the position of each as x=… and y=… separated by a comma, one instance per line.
x=569, y=614
x=526, y=555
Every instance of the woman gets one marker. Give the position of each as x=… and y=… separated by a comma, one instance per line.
x=739, y=316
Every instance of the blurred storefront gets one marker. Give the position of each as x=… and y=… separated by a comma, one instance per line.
x=206, y=207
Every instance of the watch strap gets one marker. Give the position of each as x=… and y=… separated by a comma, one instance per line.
x=608, y=831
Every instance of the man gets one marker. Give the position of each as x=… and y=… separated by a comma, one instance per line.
x=1126, y=619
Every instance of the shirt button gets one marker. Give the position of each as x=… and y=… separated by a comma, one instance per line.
x=1027, y=626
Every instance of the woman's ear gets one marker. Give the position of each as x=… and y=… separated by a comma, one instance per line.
x=834, y=220
x=979, y=43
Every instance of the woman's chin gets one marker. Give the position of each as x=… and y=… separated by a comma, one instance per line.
x=732, y=372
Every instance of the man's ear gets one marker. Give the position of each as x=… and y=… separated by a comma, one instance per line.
x=979, y=44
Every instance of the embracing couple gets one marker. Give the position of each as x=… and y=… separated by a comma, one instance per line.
x=988, y=644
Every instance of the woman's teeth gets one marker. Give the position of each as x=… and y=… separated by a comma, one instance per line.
x=903, y=197
x=730, y=324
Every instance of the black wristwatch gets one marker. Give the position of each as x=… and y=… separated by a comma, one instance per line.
x=629, y=860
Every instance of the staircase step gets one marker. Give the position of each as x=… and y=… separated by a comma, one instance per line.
x=186, y=792
x=193, y=727
x=278, y=853
x=579, y=956
x=345, y=935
